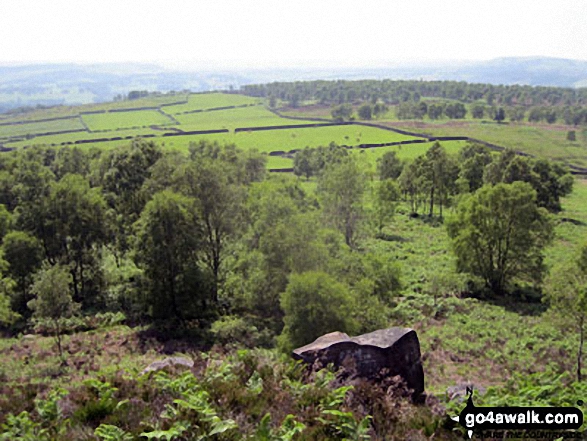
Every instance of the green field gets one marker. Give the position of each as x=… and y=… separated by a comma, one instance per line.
x=125, y=120
x=41, y=127
x=539, y=140
x=255, y=116
x=544, y=140
x=60, y=111
x=202, y=101
x=290, y=139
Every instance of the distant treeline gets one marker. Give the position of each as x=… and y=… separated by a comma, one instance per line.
x=397, y=92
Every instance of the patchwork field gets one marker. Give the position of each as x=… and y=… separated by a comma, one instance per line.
x=212, y=100
x=548, y=141
x=7, y=131
x=125, y=120
x=254, y=116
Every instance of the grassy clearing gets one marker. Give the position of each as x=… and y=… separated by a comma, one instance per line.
x=278, y=162
x=230, y=119
x=41, y=127
x=200, y=101
x=540, y=140
x=571, y=228
x=125, y=120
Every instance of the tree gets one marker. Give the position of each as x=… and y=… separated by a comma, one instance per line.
x=567, y=295
x=438, y=172
x=282, y=238
x=473, y=160
x=24, y=255
x=218, y=205
x=365, y=111
x=499, y=115
x=76, y=219
x=7, y=315
x=166, y=249
x=314, y=304
x=342, y=112
x=53, y=300
x=341, y=188
x=499, y=233
x=387, y=195
x=389, y=166
x=478, y=111
x=379, y=110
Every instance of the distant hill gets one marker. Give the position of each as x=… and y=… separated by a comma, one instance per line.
x=51, y=84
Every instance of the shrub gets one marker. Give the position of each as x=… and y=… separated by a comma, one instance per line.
x=314, y=304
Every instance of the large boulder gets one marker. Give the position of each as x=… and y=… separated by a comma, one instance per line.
x=395, y=350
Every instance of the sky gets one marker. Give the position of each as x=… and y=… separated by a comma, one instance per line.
x=296, y=33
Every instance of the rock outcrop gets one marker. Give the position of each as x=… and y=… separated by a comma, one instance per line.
x=169, y=361
x=395, y=351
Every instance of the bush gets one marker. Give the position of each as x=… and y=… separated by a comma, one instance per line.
x=230, y=330
x=315, y=304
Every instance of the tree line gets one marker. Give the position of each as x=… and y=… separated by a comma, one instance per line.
x=398, y=91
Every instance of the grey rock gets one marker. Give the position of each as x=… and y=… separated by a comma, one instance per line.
x=396, y=350
x=169, y=361
x=458, y=392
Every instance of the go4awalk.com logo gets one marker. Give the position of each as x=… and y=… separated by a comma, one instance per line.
x=520, y=422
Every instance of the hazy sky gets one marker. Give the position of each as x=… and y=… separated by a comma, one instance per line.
x=227, y=33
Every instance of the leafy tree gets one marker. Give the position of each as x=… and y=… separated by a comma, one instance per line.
x=517, y=113
x=551, y=181
x=389, y=166
x=76, y=218
x=387, y=196
x=499, y=115
x=567, y=295
x=478, y=111
x=365, y=111
x=166, y=249
x=53, y=300
x=499, y=233
x=314, y=304
x=218, y=205
x=7, y=315
x=341, y=188
x=32, y=188
x=412, y=185
x=343, y=112
x=24, y=255
x=303, y=163
x=473, y=159
x=122, y=172
x=438, y=172
x=379, y=110
x=6, y=221
x=71, y=161
x=282, y=239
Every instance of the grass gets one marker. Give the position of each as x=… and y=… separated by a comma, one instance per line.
x=547, y=141
x=72, y=137
x=202, y=101
x=572, y=232
x=41, y=127
x=125, y=120
x=230, y=119
x=60, y=111
x=278, y=162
